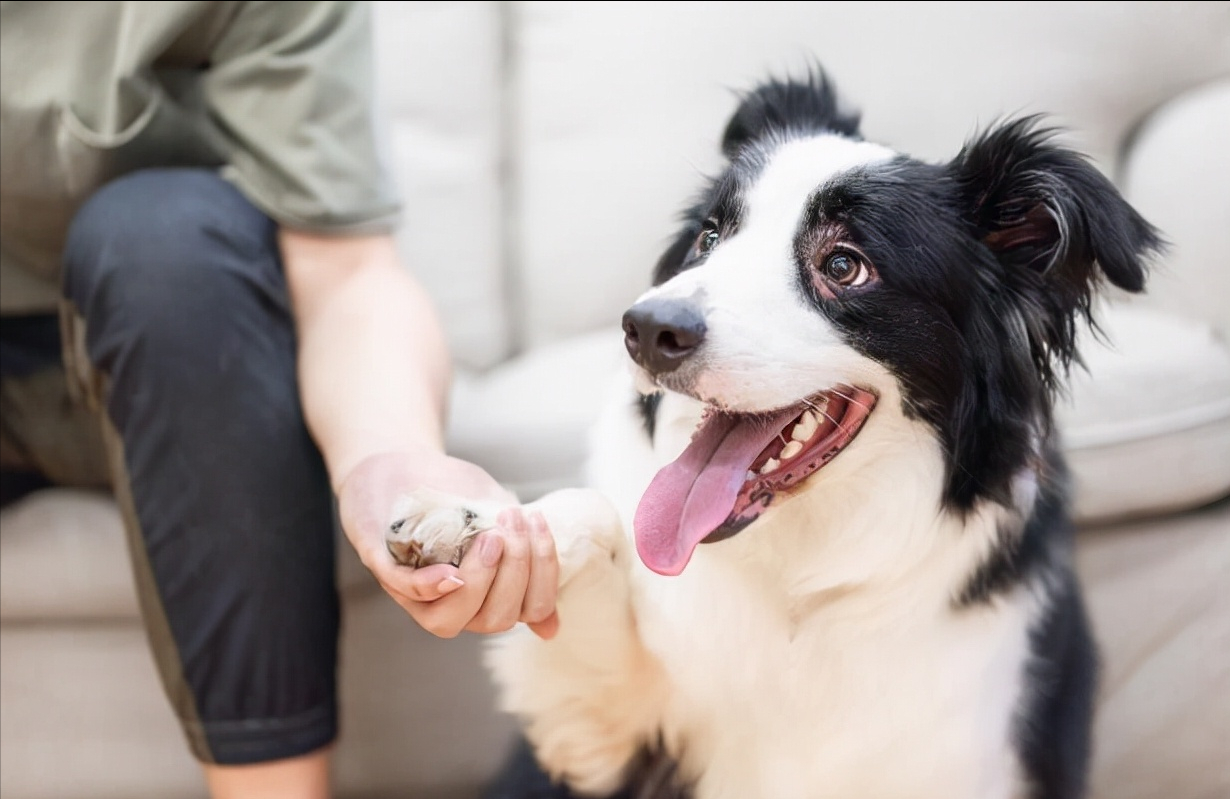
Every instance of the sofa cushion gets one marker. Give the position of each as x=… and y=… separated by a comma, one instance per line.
x=528, y=421
x=1147, y=424
x=63, y=555
x=1176, y=175
x=84, y=715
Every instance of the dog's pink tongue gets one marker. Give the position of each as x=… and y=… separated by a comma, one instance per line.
x=691, y=497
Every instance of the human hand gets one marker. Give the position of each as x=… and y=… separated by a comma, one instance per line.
x=510, y=574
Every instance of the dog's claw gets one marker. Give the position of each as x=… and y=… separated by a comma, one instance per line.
x=409, y=553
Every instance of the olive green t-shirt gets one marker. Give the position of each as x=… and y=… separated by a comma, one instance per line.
x=278, y=95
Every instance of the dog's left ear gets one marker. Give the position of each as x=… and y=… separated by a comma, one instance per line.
x=1046, y=210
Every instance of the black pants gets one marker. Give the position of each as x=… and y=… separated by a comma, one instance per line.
x=176, y=294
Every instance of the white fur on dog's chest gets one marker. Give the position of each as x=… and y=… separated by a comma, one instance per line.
x=763, y=708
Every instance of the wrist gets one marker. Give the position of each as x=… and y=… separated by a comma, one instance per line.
x=369, y=453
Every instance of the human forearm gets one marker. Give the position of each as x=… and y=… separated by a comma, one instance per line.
x=373, y=366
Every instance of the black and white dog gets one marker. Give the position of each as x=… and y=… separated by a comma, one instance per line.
x=843, y=383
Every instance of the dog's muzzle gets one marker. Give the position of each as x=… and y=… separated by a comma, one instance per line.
x=660, y=333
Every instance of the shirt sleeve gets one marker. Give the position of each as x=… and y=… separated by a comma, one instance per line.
x=290, y=86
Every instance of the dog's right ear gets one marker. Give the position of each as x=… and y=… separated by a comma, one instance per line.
x=791, y=106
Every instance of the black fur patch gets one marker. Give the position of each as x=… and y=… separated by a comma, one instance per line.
x=775, y=110
x=653, y=774
x=721, y=200
x=647, y=406
x=1019, y=553
x=785, y=108
x=1052, y=726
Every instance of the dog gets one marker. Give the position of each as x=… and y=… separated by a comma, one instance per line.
x=827, y=547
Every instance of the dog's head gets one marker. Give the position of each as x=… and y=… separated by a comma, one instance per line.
x=820, y=274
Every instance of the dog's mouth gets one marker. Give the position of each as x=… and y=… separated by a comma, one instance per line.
x=734, y=468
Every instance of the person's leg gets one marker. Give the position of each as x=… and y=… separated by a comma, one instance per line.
x=305, y=777
x=176, y=295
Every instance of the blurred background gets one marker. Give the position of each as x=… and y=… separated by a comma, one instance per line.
x=544, y=150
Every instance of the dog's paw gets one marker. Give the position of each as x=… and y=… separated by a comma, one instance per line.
x=430, y=527
x=586, y=528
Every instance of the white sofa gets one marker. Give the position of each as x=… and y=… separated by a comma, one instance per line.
x=544, y=149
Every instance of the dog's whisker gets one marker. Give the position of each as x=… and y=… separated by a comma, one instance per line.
x=850, y=399
x=836, y=423
x=823, y=412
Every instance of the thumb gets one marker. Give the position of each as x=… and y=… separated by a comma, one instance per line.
x=430, y=582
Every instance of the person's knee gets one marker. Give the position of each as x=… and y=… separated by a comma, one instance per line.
x=145, y=248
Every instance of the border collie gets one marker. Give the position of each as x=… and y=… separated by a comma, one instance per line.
x=852, y=571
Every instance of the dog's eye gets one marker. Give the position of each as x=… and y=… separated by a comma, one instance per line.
x=846, y=269
x=708, y=238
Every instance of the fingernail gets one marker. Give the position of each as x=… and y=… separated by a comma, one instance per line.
x=493, y=548
x=450, y=584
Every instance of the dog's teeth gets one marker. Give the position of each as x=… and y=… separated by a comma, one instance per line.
x=806, y=428
x=750, y=475
x=791, y=449
x=770, y=465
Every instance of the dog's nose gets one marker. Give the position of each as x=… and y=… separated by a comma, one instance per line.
x=661, y=333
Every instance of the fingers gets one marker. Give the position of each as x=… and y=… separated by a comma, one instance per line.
x=447, y=615
x=502, y=607
x=538, y=606
x=431, y=582
x=509, y=575
x=547, y=628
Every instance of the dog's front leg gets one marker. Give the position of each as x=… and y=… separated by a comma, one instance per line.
x=589, y=698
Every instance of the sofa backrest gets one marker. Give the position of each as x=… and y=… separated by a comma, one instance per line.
x=546, y=147
x=439, y=71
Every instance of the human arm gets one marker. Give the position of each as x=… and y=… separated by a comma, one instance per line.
x=374, y=376
x=290, y=89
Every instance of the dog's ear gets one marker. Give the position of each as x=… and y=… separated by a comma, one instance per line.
x=805, y=106
x=1054, y=222
x=1045, y=208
